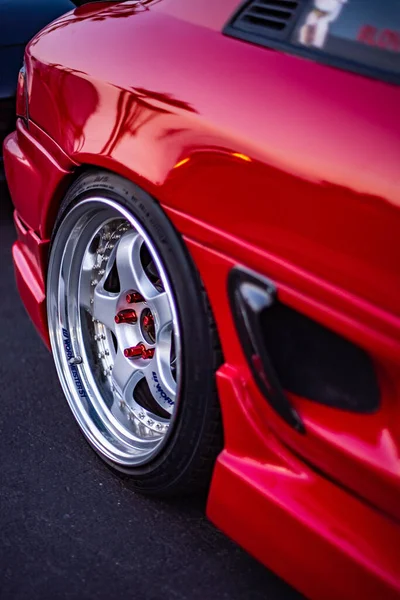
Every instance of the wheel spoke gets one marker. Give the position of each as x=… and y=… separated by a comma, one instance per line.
x=162, y=313
x=105, y=306
x=129, y=265
x=161, y=382
x=125, y=376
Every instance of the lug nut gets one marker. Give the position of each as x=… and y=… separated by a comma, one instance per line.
x=134, y=351
x=148, y=321
x=149, y=353
x=139, y=351
x=125, y=316
x=134, y=297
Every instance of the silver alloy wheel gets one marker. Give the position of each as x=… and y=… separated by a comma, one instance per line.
x=114, y=331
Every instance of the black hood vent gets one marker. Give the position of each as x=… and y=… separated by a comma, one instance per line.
x=272, y=18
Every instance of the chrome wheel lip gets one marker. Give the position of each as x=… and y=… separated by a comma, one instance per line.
x=101, y=428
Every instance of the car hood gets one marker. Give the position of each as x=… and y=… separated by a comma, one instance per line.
x=20, y=20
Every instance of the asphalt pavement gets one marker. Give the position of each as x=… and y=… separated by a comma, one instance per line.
x=69, y=528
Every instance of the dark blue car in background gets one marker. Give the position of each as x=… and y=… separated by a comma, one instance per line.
x=20, y=20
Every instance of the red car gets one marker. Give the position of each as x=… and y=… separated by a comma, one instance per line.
x=207, y=203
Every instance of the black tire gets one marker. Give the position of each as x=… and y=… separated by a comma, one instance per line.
x=185, y=463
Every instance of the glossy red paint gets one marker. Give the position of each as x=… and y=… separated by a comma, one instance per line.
x=264, y=159
x=30, y=256
x=310, y=531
